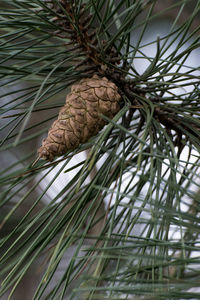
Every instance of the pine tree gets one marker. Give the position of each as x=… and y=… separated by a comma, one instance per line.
x=128, y=217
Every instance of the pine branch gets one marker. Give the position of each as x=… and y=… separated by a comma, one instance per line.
x=146, y=159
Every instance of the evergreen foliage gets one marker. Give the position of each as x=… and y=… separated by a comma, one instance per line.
x=129, y=214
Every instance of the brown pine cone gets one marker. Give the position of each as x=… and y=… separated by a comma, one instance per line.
x=79, y=119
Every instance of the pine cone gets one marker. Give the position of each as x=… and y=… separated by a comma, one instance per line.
x=79, y=119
